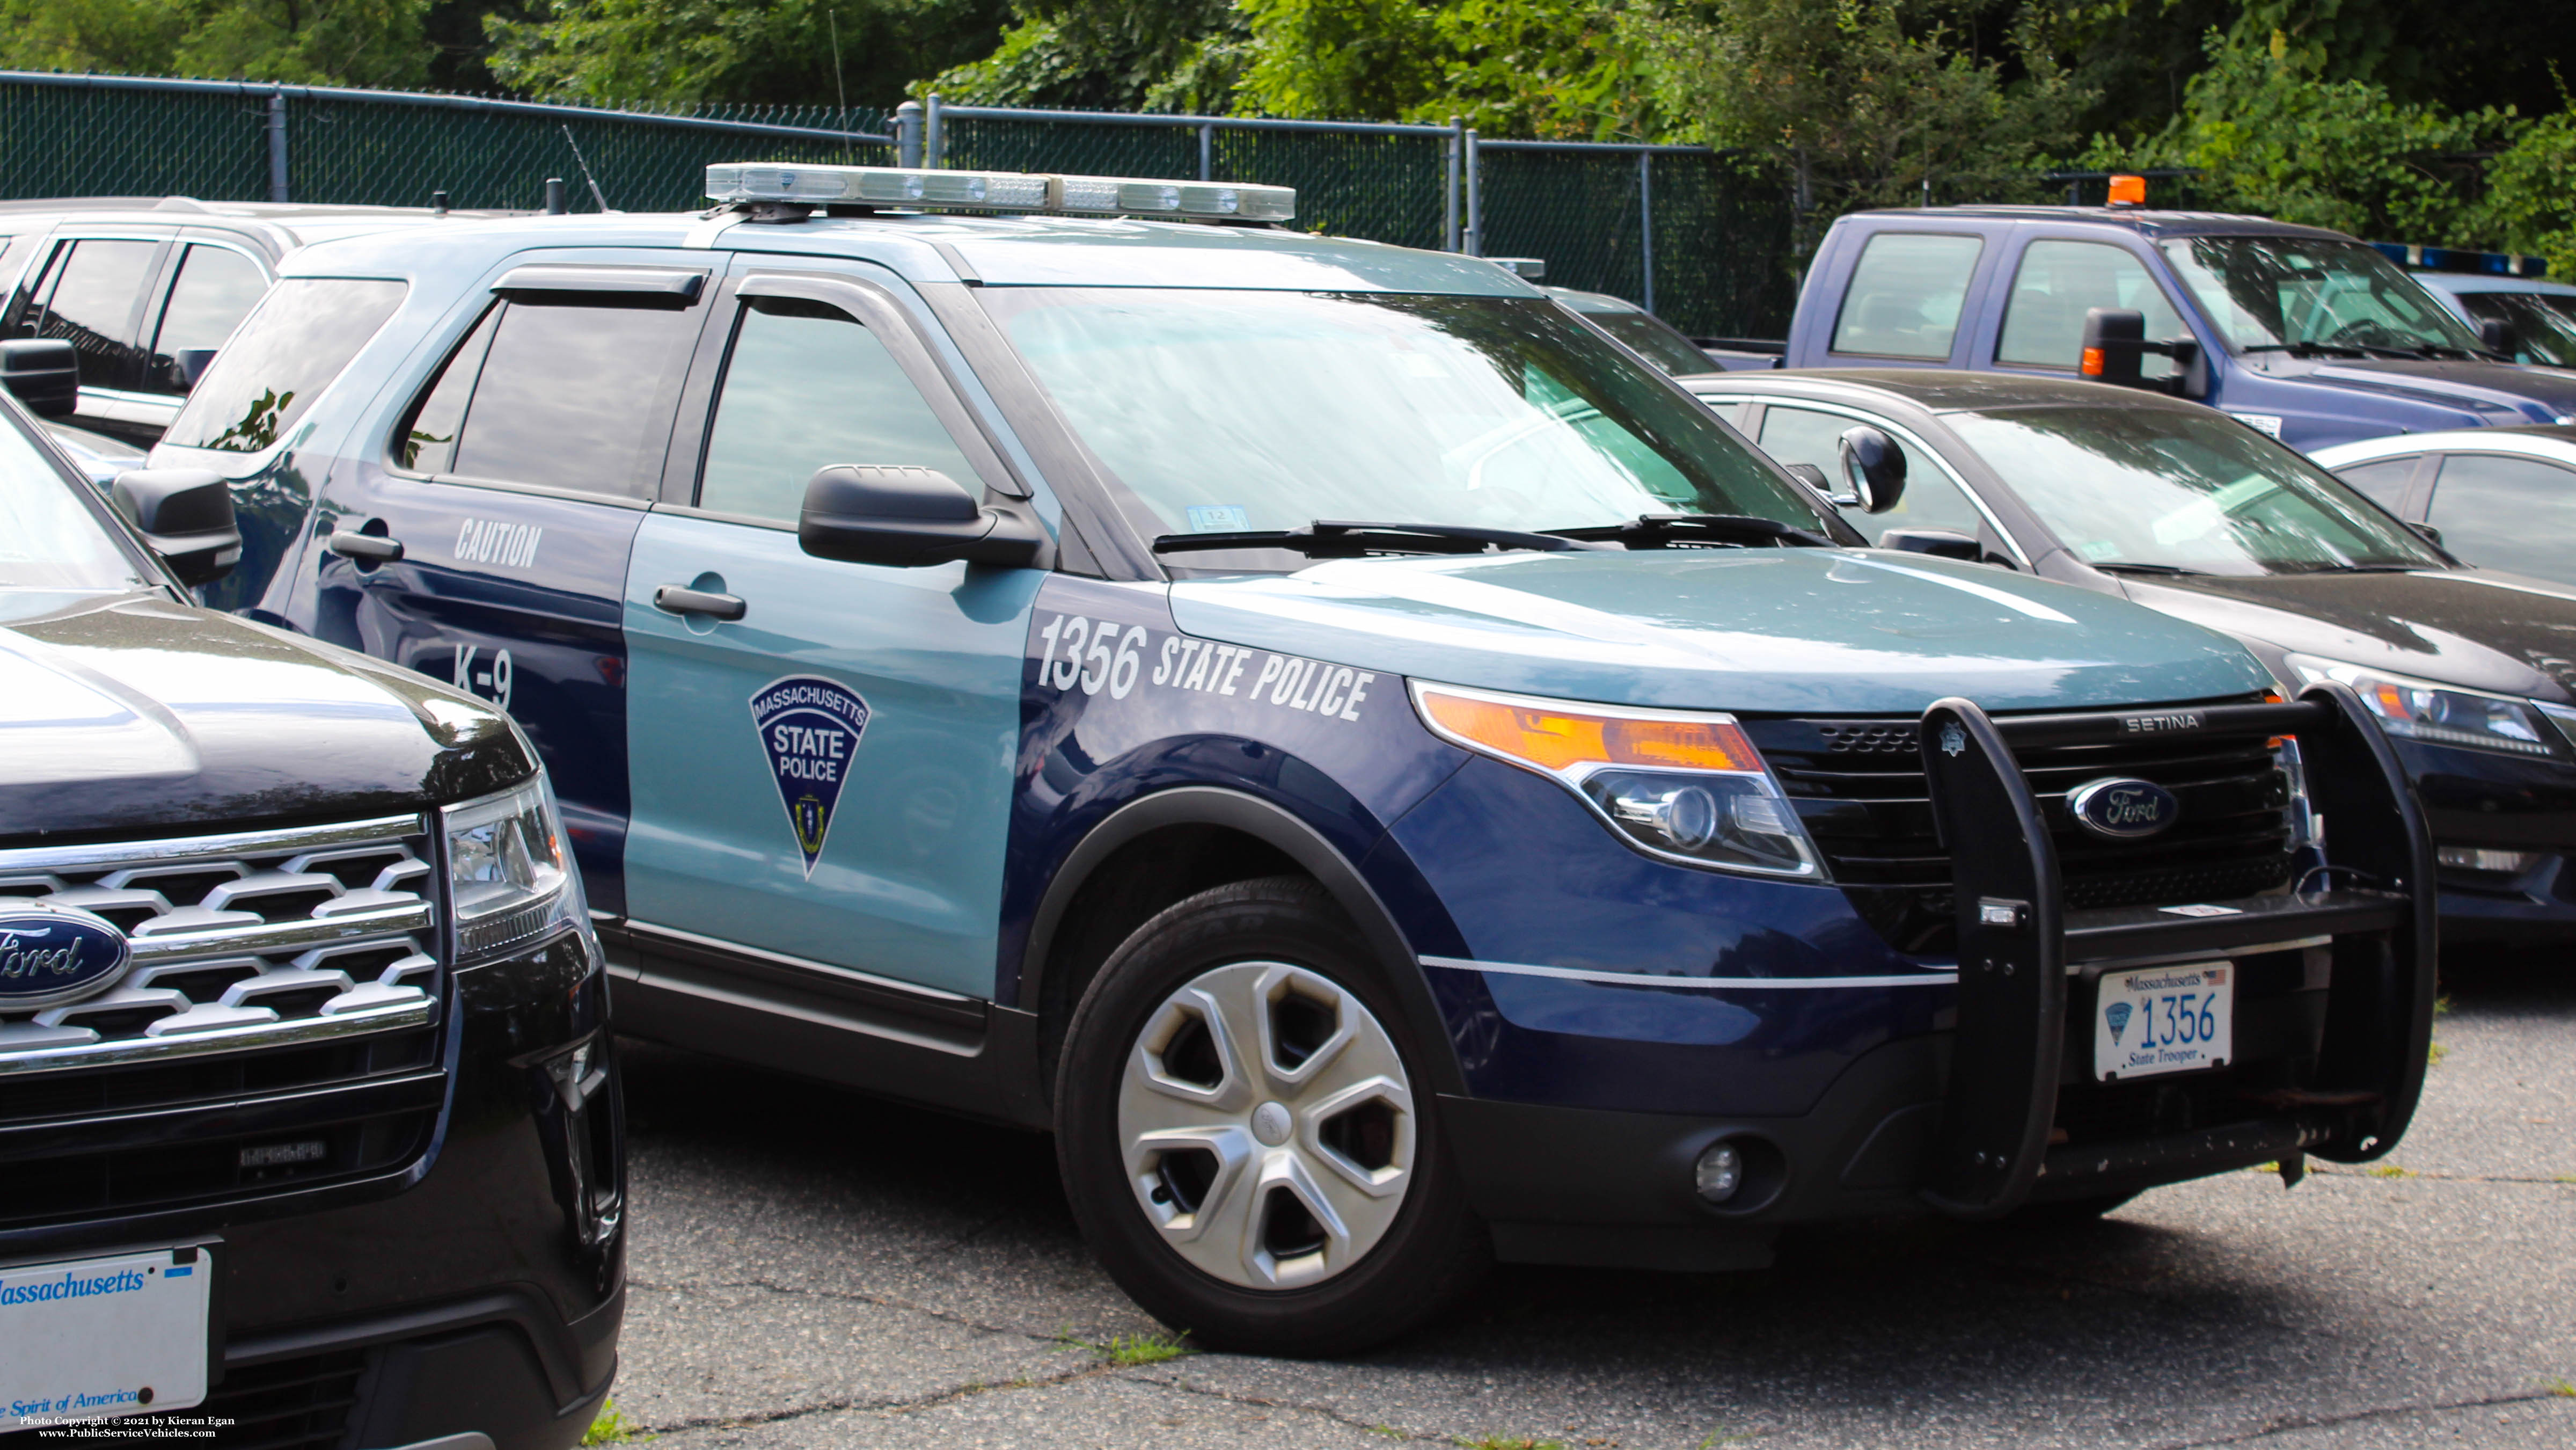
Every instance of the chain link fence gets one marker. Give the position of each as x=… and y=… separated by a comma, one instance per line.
x=1690, y=234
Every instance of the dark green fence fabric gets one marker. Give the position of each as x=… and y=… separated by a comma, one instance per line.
x=1721, y=240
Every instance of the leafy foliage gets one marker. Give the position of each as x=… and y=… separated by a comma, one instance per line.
x=2531, y=193
x=685, y=52
x=312, y=42
x=1177, y=55
x=2273, y=136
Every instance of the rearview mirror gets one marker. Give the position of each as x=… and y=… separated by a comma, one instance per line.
x=908, y=517
x=2496, y=335
x=186, y=515
x=1875, y=468
x=45, y=374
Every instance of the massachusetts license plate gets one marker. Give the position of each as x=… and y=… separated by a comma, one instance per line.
x=2164, y=1019
x=99, y=1338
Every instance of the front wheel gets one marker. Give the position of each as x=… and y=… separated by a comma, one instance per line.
x=1246, y=1138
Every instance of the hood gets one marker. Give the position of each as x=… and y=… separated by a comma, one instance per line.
x=139, y=714
x=2474, y=627
x=1825, y=631
x=2541, y=395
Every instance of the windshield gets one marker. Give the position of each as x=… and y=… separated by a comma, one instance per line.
x=1656, y=338
x=2194, y=491
x=51, y=543
x=1222, y=411
x=2292, y=294
x=2535, y=330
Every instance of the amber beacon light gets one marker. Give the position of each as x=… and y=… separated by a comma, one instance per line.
x=2128, y=191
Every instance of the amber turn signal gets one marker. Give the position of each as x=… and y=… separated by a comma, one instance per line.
x=1554, y=738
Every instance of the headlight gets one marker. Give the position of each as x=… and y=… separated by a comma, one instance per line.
x=1687, y=785
x=509, y=872
x=2444, y=714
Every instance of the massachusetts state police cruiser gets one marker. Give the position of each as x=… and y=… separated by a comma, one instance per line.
x=1377, y=768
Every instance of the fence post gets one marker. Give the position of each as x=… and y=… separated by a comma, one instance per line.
x=907, y=134
x=1449, y=191
x=277, y=188
x=934, y=139
x=1473, y=242
x=1646, y=221
x=1207, y=150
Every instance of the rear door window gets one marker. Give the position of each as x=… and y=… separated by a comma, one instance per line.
x=290, y=348
x=2384, y=482
x=90, y=303
x=215, y=289
x=567, y=391
x=1906, y=293
x=2058, y=282
x=2508, y=513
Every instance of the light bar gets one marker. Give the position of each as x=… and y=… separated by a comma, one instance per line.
x=1000, y=191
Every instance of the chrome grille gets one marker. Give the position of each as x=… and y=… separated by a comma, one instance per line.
x=240, y=942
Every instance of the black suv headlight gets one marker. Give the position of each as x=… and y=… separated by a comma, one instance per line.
x=2445, y=714
x=1686, y=785
x=510, y=873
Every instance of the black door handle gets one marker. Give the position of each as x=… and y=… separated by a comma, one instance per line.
x=672, y=599
x=373, y=547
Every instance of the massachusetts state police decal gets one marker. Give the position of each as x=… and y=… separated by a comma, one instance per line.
x=809, y=727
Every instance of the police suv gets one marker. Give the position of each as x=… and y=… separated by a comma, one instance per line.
x=1369, y=761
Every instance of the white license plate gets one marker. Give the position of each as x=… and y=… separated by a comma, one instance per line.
x=98, y=1338
x=2164, y=1019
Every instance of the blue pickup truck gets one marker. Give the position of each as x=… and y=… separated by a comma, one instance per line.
x=2305, y=334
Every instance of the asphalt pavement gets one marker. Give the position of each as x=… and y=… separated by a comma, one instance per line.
x=813, y=1268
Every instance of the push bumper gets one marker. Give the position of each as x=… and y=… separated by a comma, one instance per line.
x=2003, y=1110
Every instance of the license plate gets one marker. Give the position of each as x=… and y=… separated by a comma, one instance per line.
x=99, y=1338
x=2164, y=1019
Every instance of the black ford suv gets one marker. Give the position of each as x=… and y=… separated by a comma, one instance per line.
x=309, y=1131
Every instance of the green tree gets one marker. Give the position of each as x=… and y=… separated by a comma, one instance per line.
x=687, y=52
x=2273, y=136
x=2531, y=193
x=310, y=42
x=1176, y=55
x=1546, y=68
x=1863, y=102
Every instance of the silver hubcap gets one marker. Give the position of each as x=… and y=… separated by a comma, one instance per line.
x=1267, y=1125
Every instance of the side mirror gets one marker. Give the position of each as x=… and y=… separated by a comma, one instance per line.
x=45, y=374
x=186, y=515
x=1939, y=543
x=2426, y=532
x=907, y=517
x=2495, y=335
x=1875, y=467
x=2115, y=339
x=192, y=363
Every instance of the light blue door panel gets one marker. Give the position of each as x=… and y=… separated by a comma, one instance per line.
x=907, y=882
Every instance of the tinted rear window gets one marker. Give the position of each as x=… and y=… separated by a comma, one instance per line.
x=1905, y=295
x=289, y=349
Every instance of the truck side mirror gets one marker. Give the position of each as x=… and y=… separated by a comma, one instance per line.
x=186, y=515
x=45, y=374
x=2114, y=342
x=908, y=518
x=2495, y=335
x=1875, y=467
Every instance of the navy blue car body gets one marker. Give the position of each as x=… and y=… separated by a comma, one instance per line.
x=914, y=775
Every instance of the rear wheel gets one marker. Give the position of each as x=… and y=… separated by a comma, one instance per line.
x=1245, y=1135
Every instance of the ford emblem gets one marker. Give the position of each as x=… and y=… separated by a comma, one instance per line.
x=50, y=955
x=2123, y=808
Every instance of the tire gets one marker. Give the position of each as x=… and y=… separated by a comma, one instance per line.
x=1196, y=1157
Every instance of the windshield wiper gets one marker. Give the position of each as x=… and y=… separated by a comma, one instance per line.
x=2369, y=568
x=2305, y=349
x=1657, y=531
x=1340, y=539
x=2127, y=568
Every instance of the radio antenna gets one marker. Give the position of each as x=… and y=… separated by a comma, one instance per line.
x=832, y=17
x=589, y=180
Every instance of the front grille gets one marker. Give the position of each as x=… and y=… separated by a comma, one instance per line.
x=297, y=1404
x=1858, y=786
x=278, y=1025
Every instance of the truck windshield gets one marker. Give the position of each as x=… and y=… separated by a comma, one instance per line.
x=2166, y=490
x=1224, y=411
x=2293, y=294
x=2536, y=329
x=53, y=546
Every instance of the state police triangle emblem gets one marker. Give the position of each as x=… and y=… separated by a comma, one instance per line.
x=809, y=728
x=2117, y=1014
